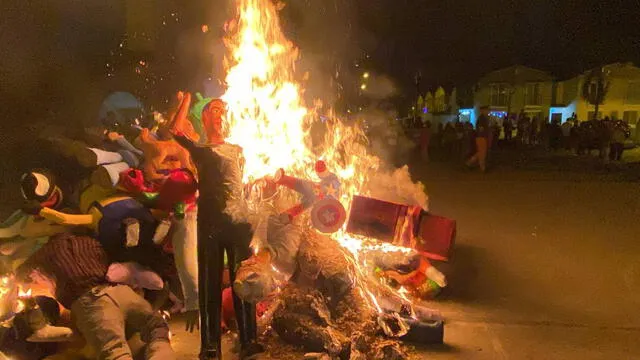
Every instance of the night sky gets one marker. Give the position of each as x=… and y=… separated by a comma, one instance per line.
x=54, y=52
x=458, y=40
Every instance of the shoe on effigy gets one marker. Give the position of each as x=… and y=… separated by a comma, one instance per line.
x=161, y=232
x=51, y=333
x=133, y=232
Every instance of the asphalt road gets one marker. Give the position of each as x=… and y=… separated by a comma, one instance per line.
x=546, y=263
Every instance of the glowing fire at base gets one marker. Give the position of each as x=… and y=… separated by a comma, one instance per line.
x=23, y=296
x=269, y=119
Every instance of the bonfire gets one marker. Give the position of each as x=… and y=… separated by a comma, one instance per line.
x=330, y=300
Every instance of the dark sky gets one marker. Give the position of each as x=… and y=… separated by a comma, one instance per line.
x=458, y=40
x=54, y=51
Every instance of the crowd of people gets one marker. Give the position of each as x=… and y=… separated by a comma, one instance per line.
x=462, y=141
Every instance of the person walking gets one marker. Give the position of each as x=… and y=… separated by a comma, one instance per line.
x=483, y=133
x=425, y=140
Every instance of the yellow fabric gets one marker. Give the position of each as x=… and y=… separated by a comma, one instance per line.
x=66, y=219
x=92, y=194
x=35, y=228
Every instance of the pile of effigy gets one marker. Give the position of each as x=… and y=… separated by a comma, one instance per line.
x=332, y=302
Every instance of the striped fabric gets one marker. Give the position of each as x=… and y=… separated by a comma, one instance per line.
x=75, y=263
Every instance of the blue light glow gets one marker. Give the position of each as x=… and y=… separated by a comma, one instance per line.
x=566, y=111
x=470, y=113
x=499, y=114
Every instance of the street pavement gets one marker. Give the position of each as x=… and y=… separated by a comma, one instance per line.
x=546, y=263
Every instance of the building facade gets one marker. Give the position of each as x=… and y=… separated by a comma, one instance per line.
x=622, y=101
x=513, y=90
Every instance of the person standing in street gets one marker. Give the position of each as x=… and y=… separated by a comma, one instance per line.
x=618, y=137
x=425, y=140
x=508, y=128
x=483, y=133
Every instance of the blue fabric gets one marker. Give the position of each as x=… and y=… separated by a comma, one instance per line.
x=111, y=229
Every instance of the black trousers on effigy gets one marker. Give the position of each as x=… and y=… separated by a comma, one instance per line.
x=213, y=241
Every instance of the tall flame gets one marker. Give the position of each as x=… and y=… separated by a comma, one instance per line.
x=267, y=116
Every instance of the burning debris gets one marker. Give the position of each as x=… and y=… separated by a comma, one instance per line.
x=332, y=274
x=342, y=291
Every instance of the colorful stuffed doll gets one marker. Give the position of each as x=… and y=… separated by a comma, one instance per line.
x=173, y=202
x=123, y=226
x=222, y=228
x=195, y=114
x=424, y=282
x=176, y=195
x=22, y=234
x=164, y=154
x=115, y=155
x=327, y=213
x=212, y=119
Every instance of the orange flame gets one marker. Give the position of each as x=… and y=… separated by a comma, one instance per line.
x=267, y=116
x=24, y=293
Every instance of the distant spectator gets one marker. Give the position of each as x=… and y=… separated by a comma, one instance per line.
x=507, y=125
x=495, y=133
x=618, y=136
x=605, y=130
x=524, y=130
x=483, y=133
x=425, y=140
x=468, y=141
x=459, y=128
x=555, y=135
x=440, y=135
x=566, y=134
x=534, y=131
x=449, y=139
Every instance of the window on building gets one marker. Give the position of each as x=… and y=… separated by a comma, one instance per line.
x=499, y=94
x=532, y=96
x=631, y=117
x=633, y=93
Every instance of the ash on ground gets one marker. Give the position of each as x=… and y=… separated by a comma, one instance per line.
x=324, y=313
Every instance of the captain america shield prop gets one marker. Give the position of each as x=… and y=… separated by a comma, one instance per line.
x=328, y=215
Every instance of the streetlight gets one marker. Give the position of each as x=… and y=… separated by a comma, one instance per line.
x=363, y=87
x=365, y=75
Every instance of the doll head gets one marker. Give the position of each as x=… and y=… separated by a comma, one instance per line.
x=212, y=120
x=39, y=185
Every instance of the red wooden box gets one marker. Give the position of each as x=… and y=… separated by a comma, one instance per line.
x=403, y=225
